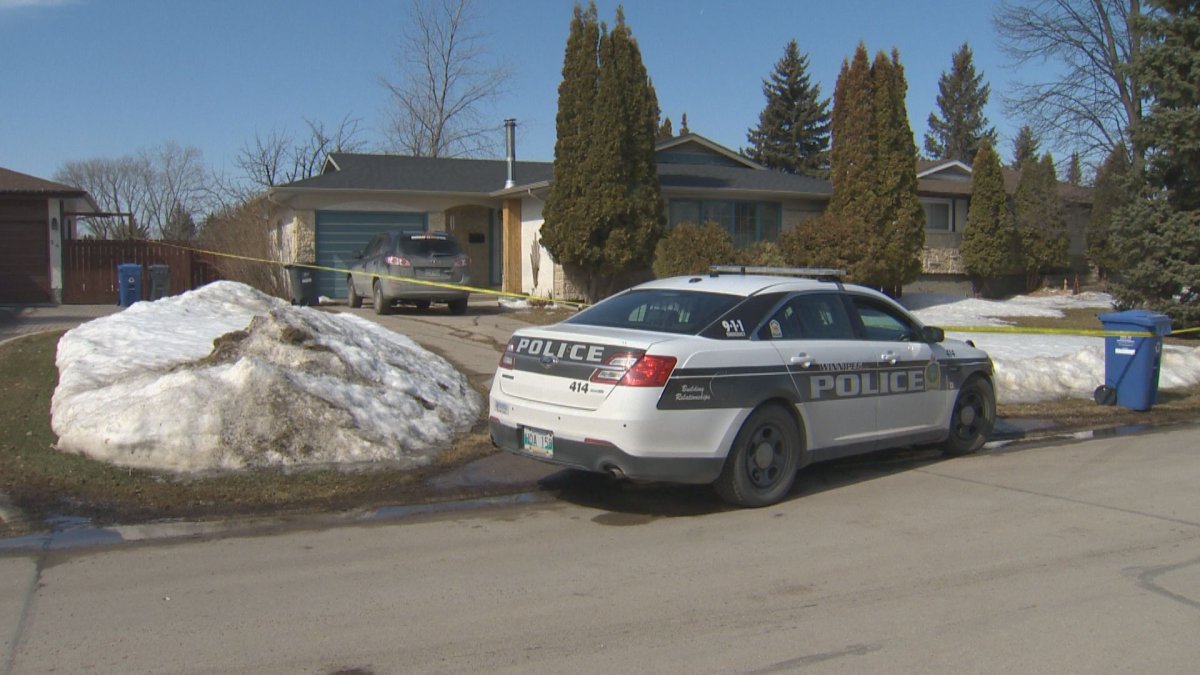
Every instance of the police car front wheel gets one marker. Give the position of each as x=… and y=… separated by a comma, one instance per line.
x=973, y=417
x=761, y=465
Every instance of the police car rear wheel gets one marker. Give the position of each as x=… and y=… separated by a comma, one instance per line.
x=761, y=466
x=973, y=417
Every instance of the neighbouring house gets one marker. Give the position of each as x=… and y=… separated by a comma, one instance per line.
x=944, y=187
x=494, y=207
x=36, y=216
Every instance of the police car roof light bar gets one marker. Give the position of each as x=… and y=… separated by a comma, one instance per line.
x=823, y=273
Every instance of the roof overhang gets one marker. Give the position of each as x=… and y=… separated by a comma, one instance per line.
x=942, y=166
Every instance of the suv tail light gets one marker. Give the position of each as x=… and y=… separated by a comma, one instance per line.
x=630, y=371
x=462, y=261
x=398, y=261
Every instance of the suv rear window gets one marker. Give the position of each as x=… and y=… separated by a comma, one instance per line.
x=426, y=245
x=664, y=311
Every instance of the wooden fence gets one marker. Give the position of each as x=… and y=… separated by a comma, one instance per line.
x=90, y=268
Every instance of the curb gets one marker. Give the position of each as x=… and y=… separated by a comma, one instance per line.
x=74, y=533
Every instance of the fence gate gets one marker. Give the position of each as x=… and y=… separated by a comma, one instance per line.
x=90, y=268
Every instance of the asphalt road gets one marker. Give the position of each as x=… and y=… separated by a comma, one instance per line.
x=1079, y=557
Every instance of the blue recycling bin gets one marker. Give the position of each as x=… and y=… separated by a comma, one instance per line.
x=129, y=284
x=1132, y=363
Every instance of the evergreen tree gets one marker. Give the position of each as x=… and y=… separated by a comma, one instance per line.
x=989, y=246
x=962, y=96
x=1025, y=146
x=873, y=170
x=607, y=227
x=683, y=127
x=180, y=225
x=793, y=129
x=664, y=129
x=1075, y=170
x=1158, y=233
x=1110, y=193
x=1041, y=225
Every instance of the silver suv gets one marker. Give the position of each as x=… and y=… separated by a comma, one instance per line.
x=390, y=257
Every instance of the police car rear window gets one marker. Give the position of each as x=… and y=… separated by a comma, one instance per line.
x=663, y=311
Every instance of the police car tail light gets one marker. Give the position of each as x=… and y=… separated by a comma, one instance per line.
x=398, y=261
x=634, y=370
x=508, y=360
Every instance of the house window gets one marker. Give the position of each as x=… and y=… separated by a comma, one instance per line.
x=939, y=215
x=746, y=222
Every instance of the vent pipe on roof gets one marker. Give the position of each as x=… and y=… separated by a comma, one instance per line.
x=510, y=142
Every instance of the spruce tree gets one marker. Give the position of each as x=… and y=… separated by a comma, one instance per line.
x=1158, y=233
x=962, y=96
x=989, y=246
x=1025, y=146
x=1040, y=223
x=1109, y=194
x=1075, y=170
x=607, y=227
x=683, y=126
x=793, y=129
x=664, y=129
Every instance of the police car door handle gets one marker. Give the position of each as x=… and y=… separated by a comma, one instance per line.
x=803, y=360
x=890, y=358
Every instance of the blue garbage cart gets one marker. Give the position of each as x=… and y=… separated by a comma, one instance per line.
x=1132, y=362
x=129, y=283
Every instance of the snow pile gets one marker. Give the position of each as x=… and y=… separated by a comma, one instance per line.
x=1033, y=367
x=225, y=377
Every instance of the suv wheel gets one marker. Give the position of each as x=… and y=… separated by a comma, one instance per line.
x=352, y=297
x=458, y=306
x=382, y=304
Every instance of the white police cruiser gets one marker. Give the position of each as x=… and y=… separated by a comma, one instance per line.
x=737, y=378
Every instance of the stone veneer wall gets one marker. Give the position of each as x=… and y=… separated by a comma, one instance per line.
x=305, y=236
x=942, y=261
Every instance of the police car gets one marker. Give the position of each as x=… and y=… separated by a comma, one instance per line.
x=737, y=378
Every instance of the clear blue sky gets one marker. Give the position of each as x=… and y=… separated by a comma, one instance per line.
x=104, y=78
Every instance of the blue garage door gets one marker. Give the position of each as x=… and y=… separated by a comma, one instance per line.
x=343, y=234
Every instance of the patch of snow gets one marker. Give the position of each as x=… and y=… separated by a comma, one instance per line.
x=1033, y=367
x=225, y=377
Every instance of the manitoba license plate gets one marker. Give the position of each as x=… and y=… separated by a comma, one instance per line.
x=538, y=441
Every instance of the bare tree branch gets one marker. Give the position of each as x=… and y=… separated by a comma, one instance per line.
x=1092, y=101
x=443, y=84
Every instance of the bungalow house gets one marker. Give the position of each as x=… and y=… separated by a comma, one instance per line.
x=36, y=215
x=494, y=207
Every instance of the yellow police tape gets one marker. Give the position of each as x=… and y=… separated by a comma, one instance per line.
x=524, y=296
x=409, y=280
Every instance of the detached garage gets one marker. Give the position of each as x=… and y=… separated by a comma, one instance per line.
x=36, y=215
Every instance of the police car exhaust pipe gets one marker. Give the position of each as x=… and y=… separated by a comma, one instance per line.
x=614, y=471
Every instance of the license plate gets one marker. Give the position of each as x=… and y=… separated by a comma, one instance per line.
x=538, y=441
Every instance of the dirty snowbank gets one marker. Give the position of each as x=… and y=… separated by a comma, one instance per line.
x=281, y=386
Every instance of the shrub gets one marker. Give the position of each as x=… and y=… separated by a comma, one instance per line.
x=692, y=249
x=762, y=254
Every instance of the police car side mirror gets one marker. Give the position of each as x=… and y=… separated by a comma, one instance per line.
x=932, y=334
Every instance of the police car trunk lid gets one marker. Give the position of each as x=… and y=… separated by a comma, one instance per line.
x=571, y=366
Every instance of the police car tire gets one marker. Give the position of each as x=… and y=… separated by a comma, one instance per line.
x=972, y=419
x=382, y=305
x=458, y=306
x=762, y=463
x=352, y=297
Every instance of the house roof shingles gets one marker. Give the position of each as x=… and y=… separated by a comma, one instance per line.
x=421, y=174
x=487, y=176
x=13, y=183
